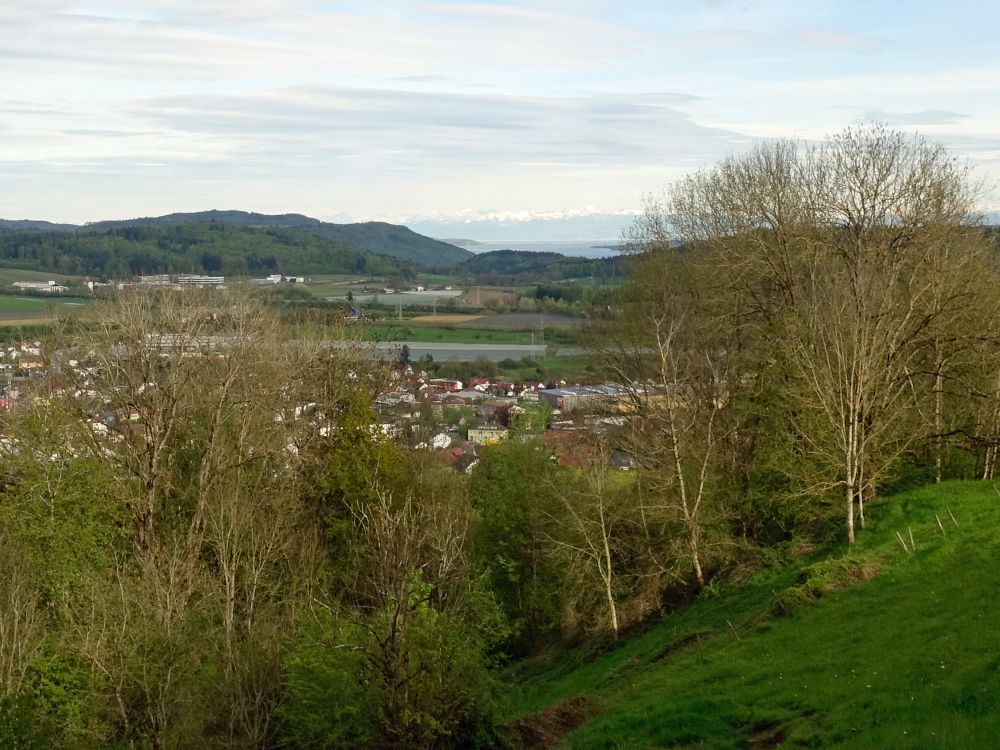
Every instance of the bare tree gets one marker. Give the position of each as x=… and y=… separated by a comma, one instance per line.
x=591, y=518
x=669, y=344
x=834, y=250
x=22, y=624
x=208, y=417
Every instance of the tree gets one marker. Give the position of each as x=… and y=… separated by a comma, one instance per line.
x=834, y=251
x=204, y=421
x=511, y=489
x=412, y=619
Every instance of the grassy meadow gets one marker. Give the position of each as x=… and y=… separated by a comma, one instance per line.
x=870, y=648
x=16, y=310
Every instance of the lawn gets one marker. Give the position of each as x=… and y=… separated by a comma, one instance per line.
x=909, y=659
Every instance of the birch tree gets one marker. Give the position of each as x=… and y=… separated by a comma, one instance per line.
x=837, y=251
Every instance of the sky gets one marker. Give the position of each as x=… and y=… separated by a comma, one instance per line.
x=455, y=115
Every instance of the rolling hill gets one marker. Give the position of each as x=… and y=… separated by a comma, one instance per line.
x=873, y=648
x=513, y=266
x=22, y=225
x=375, y=237
x=213, y=248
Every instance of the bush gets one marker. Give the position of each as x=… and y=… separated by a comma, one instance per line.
x=429, y=686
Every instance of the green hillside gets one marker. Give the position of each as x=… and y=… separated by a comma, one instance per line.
x=212, y=248
x=395, y=241
x=20, y=225
x=513, y=266
x=876, y=648
x=373, y=236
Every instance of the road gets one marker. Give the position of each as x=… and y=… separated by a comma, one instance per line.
x=465, y=352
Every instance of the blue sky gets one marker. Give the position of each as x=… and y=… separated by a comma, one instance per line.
x=458, y=111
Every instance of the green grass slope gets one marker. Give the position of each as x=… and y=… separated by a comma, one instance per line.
x=872, y=648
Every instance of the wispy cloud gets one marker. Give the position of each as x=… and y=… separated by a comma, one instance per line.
x=408, y=107
x=924, y=117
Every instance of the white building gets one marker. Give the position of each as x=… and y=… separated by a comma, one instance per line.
x=49, y=287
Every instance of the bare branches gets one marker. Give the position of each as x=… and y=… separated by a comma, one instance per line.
x=854, y=261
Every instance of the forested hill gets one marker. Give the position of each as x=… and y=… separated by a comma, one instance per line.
x=21, y=225
x=511, y=266
x=373, y=236
x=212, y=248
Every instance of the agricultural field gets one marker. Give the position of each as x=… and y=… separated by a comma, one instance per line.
x=441, y=334
x=398, y=299
x=523, y=321
x=439, y=279
x=16, y=310
x=334, y=284
x=9, y=275
x=482, y=296
x=600, y=281
x=446, y=319
x=472, y=331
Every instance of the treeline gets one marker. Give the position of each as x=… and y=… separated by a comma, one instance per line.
x=209, y=248
x=373, y=236
x=505, y=267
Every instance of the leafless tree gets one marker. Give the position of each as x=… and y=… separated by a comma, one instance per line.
x=834, y=250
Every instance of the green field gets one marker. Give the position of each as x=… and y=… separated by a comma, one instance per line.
x=461, y=334
x=25, y=305
x=812, y=654
x=439, y=279
x=9, y=275
x=334, y=284
x=16, y=310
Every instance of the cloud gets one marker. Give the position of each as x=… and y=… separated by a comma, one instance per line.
x=390, y=152
x=223, y=40
x=407, y=129
x=402, y=106
x=831, y=38
x=925, y=117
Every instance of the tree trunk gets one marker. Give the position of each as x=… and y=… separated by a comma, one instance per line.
x=608, y=578
x=696, y=558
x=938, y=426
x=850, y=514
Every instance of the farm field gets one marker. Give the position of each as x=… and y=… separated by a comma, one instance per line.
x=403, y=299
x=439, y=279
x=18, y=311
x=522, y=321
x=9, y=275
x=448, y=319
x=464, y=333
